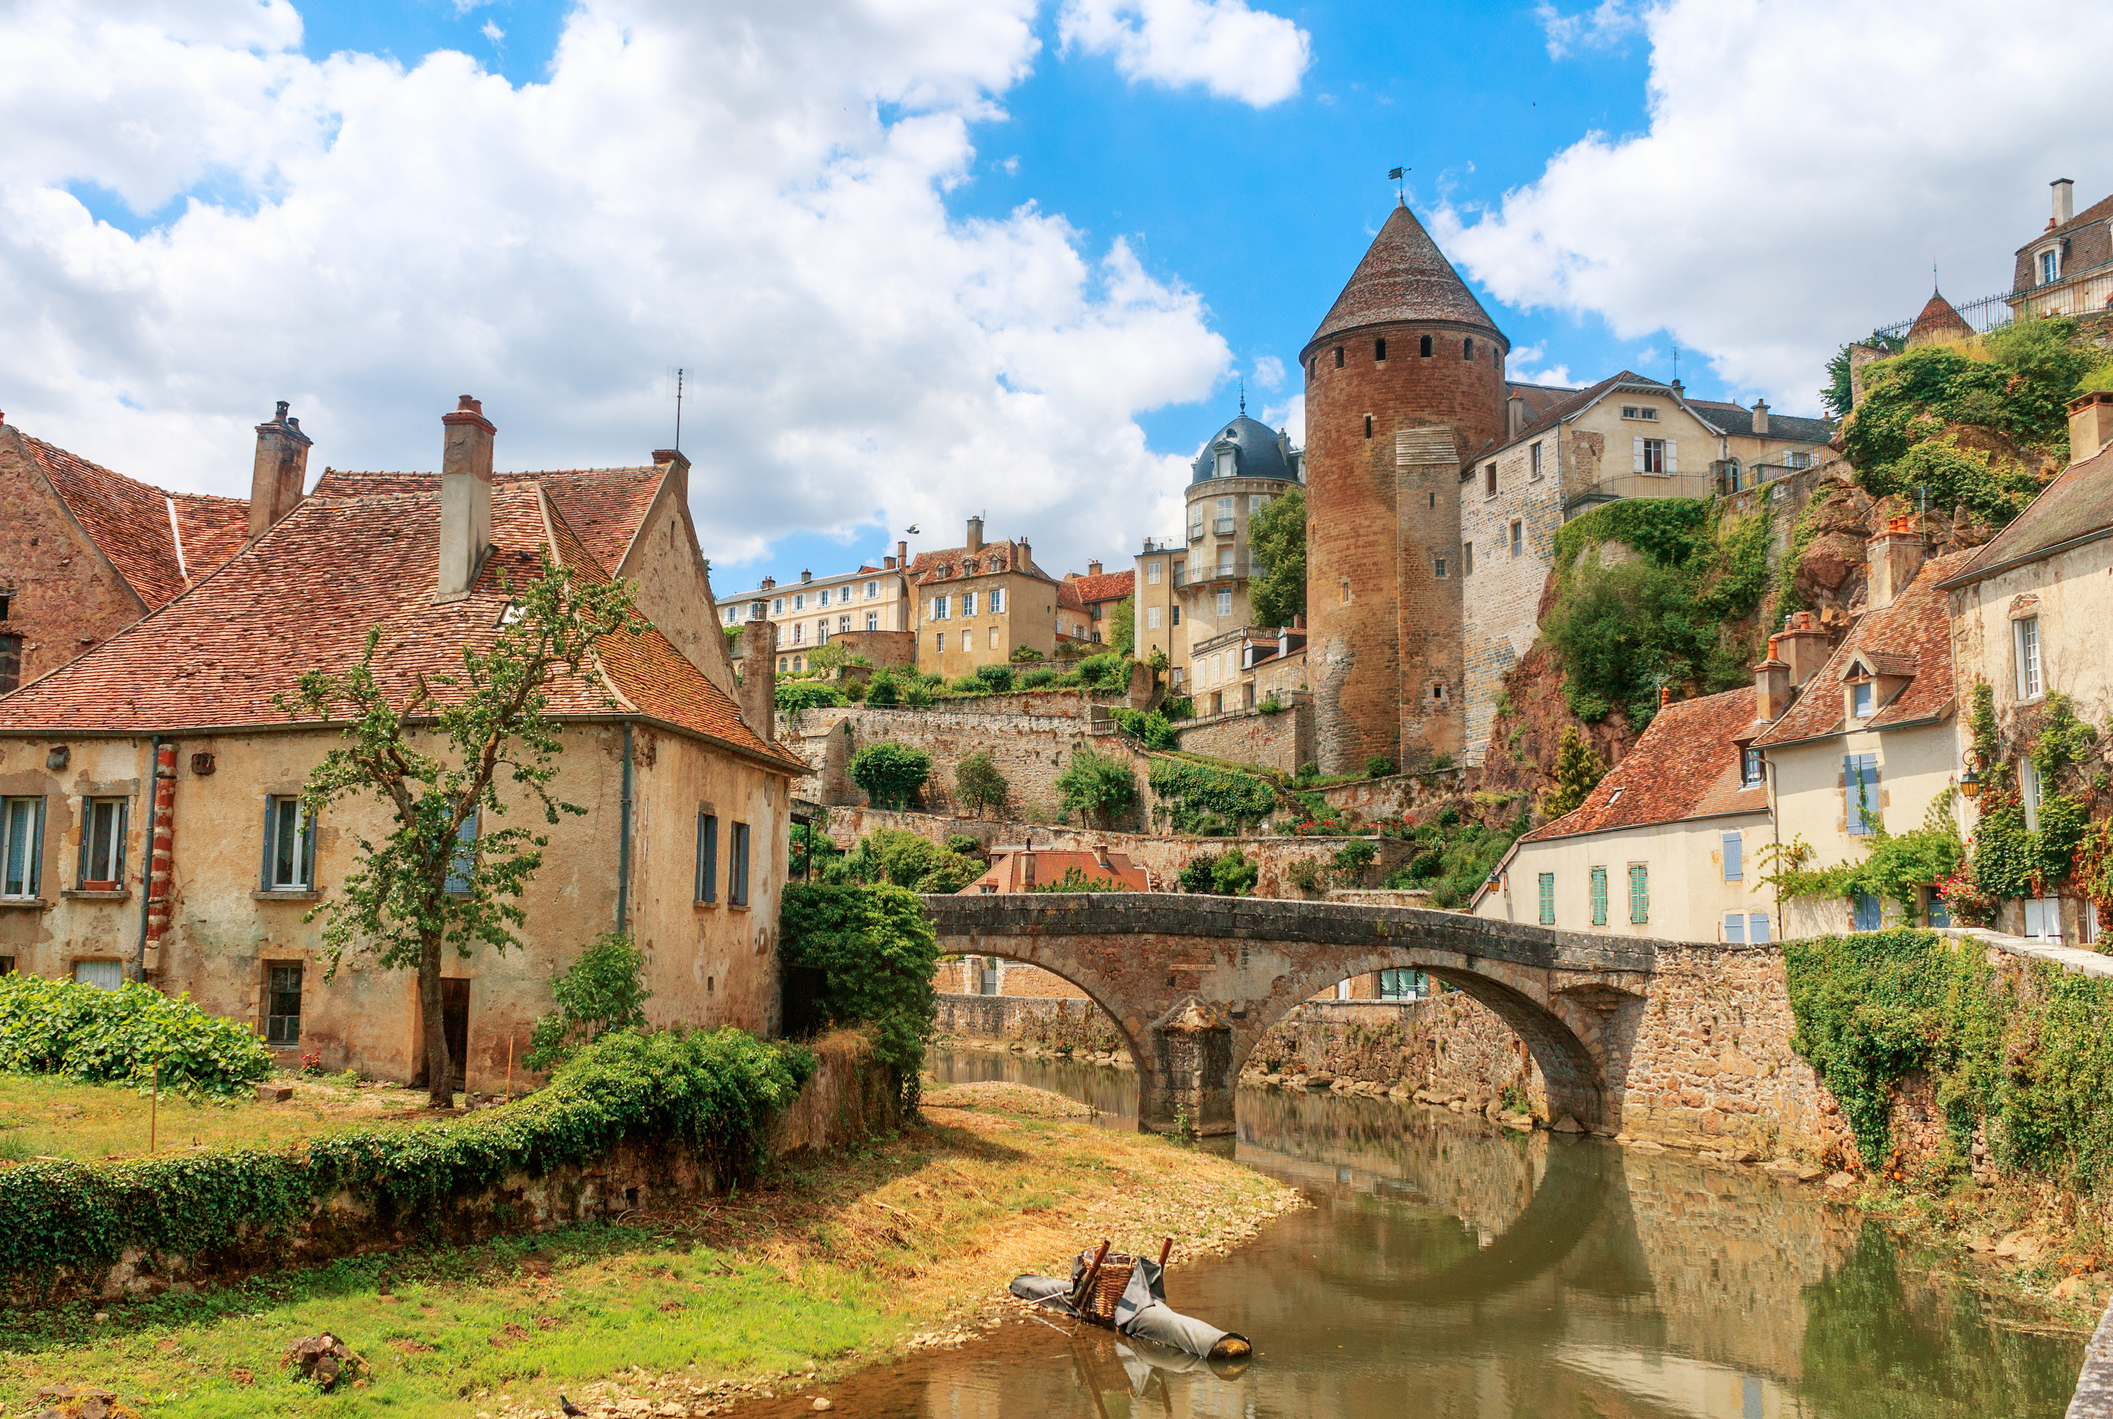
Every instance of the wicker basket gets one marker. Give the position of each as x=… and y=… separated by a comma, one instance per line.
x=1108, y=1287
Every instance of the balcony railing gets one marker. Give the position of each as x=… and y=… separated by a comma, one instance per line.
x=1223, y=526
x=1239, y=568
x=1195, y=532
x=1639, y=485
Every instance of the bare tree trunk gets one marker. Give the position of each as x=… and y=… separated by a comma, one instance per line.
x=440, y=1070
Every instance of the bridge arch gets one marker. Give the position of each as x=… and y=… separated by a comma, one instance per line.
x=1029, y=951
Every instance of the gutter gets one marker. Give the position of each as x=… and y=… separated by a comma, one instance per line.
x=623, y=841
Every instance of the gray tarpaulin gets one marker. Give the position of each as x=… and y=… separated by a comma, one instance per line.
x=1141, y=1311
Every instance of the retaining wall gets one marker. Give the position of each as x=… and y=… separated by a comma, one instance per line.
x=1282, y=740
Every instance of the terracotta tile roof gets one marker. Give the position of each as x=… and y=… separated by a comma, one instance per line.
x=1403, y=277
x=927, y=567
x=2073, y=506
x=1068, y=595
x=1109, y=586
x=1913, y=635
x=604, y=505
x=304, y=594
x=137, y=526
x=1686, y=765
x=1939, y=321
x=1008, y=870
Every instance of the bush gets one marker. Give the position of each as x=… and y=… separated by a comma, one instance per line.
x=1075, y=880
x=1224, y=874
x=873, y=951
x=965, y=845
x=1025, y=655
x=965, y=685
x=1038, y=678
x=120, y=1036
x=881, y=692
x=904, y=859
x=603, y=990
x=1578, y=770
x=714, y=1091
x=996, y=678
x=890, y=773
x=1152, y=730
x=978, y=785
x=1108, y=670
x=855, y=691
x=1351, y=860
x=1097, y=787
x=1378, y=766
x=797, y=695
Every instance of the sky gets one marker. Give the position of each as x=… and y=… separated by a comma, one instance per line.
x=921, y=259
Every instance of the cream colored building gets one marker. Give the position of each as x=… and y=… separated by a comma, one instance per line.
x=807, y=614
x=1157, y=620
x=978, y=603
x=2030, y=614
x=1666, y=846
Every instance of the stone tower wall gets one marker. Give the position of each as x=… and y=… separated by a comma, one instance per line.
x=1380, y=510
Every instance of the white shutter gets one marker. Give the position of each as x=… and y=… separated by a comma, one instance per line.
x=1672, y=456
x=1637, y=467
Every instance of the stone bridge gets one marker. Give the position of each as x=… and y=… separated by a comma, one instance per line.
x=1193, y=982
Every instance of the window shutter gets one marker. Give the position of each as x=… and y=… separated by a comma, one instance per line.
x=1735, y=927
x=36, y=852
x=124, y=823
x=1758, y=936
x=87, y=832
x=1734, y=867
x=1637, y=443
x=1672, y=456
x=308, y=849
x=271, y=813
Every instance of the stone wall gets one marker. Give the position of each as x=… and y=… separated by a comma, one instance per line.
x=1445, y=1046
x=1399, y=795
x=1501, y=589
x=1282, y=740
x=963, y=975
x=1051, y=1023
x=1162, y=856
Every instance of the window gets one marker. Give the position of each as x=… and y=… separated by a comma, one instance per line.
x=737, y=869
x=1379, y=350
x=1338, y=357
x=21, y=846
x=942, y=608
x=1227, y=464
x=103, y=975
x=1177, y=615
x=10, y=663
x=1151, y=618
x=1548, y=899
x=997, y=601
x=1639, y=411
x=799, y=601
x=2043, y=918
x=873, y=620
x=707, y=857
x=1734, y=862
x=1151, y=573
x=1467, y=559
x=2050, y=265
x=1757, y=929
x=821, y=631
x=1467, y=348
x=731, y=612
x=2032, y=791
x=1750, y=768
x=1403, y=985
x=465, y=859
x=1225, y=603
x=872, y=590
x=777, y=605
x=1735, y=927
x=1518, y=538
x=1864, y=912
x=799, y=633
x=282, y=1004
x=103, y=844
x=1424, y=347
x=7, y=965
x=2086, y=921
x=1599, y=896
x=1438, y=566
x=939, y=642
x=1860, y=793
x=1651, y=456
x=968, y=604
x=994, y=637
x=1256, y=502
x=1639, y=894
x=1368, y=426
x=289, y=846
x=843, y=623
x=823, y=598
x=1861, y=693
x=1939, y=915
x=1533, y=460
x=2025, y=641
x=1489, y=481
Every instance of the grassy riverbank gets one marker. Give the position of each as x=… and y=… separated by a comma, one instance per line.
x=55, y=1116
x=827, y=1264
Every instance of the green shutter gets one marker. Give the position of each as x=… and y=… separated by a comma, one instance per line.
x=1548, y=899
x=1639, y=894
x=1599, y=896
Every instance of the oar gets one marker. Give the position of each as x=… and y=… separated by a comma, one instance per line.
x=1093, y=1272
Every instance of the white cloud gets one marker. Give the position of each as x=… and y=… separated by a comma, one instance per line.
x=1232, y=51
x=1269, y=372
x=1804, y=162
x=492, y=32
x=1529, y=365
x=1289, y=416
x=381, y=239
x=1599, y=28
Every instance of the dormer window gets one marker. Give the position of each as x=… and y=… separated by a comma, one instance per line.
x=1750, y=770
x=2050, y=265
x=1227, y=460
x=1861, y=695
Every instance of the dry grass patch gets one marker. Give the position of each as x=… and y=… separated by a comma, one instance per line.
x=43, y=1115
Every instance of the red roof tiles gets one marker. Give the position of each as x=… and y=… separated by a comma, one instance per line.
x=1109, y=586
x=1403, y=276
x=1686, y=765
x=1021, y=870
x=159, y=542
x=604, y=505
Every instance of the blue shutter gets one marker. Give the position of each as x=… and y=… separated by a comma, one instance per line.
x=1734, y=865
x=1735, y=926
x=1860, y=793
x=80, y=876
x=1758, y=935
x=1866, y=912
x=308, y=849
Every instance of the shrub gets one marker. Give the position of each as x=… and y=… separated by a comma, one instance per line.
x=1351, y=860
x=603, y=990
x=1178, y=708
x=1578, y=770
x=855, y=691
x=1038, y=678
x=873, y=952
x=918, y=696
x=1198, y=798
x=966, y=685
x=1225, y=874
x=905, y=859
x=1271, y=705
x=1110, y=670
x=1378, y=766
x=890, y=773
x=1151, y=730
x=978, y=784
x=1307, y=876
x=1097, y=787
x=120, y=1036
x=795, y=696
x=882, y=693
x=1025, y=655
x=965, y=845
x=996, y=678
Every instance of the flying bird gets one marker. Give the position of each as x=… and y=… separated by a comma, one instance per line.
x=569, y=1409
x=910, y=531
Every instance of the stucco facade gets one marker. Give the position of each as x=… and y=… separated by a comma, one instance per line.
x=1687, y=895
x=1161, y=571
x=816, y=610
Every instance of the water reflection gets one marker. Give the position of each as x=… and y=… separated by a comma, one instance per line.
x=1450, y=1270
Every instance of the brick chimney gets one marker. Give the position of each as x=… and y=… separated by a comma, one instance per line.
x=1771, y=684
x=1514, y=415
x=759, y=671
x=1093, y=569
x=975, y=535
x=465, y=495
x=1760, y=416
x=887, y=564
x=276, y=484
x=1803, y=645
x=1895, y=556
x=2090, y=424
x=902, y=555
x=2064, y=200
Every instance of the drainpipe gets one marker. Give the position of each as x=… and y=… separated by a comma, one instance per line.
x=623, y=841
x=146, y=868
x=1775, y=828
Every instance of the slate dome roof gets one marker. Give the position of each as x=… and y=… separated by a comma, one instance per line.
x=1261, y=455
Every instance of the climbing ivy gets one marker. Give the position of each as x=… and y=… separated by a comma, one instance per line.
x=1197, y=798
x=1895, y=866
x=2008, y=858
x=869, y=953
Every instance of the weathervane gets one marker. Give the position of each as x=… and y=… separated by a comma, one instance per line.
x=1243, y=395
x=1395, y=176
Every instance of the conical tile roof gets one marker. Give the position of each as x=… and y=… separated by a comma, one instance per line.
x=1939, y=321
x=1404, y=276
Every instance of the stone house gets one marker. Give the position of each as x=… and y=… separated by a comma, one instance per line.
x=1871, y=736
x=1666, y=845
x=1022, y=869
x=1098, y=593
x=162, y=748
x=85, y=552
x=2027, y=610
x=978, y=603
x=872, y=603
x=2068, y=268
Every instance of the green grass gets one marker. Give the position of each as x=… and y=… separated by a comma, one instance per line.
x=43, y=1115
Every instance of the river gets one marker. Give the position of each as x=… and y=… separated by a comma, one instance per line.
x=1454, y=1270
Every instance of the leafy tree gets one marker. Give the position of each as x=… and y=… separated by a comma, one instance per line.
x=604, y=990
x=1578, y=770
x=1277, y=540
x=1122, y=625
x=890, y=772
x=906, y=859
x=447, y=872
x=881, y=692
x=1839, y=395
x=874, y=951
x=978, y=785
x=2018, y=381
x=799, y=695
x=1076, y=880
x=1098, y=787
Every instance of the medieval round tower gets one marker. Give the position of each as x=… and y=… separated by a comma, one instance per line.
x=1404, y=388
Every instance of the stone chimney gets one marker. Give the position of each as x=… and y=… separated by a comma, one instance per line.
x=277, y=483
x=902, y=555
x=679, y=462
x=465, y=495
x=1760, y=416
x=1514, y=416
x=769, y=582
x=2090, y=425
x=1802, y=645
x=1771, y=684
x=759, y=671
x=805, y=576
x=975, y=535
x=1026, y=556
x=1895, y=556
x=887, y=564
x=2064, y=200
